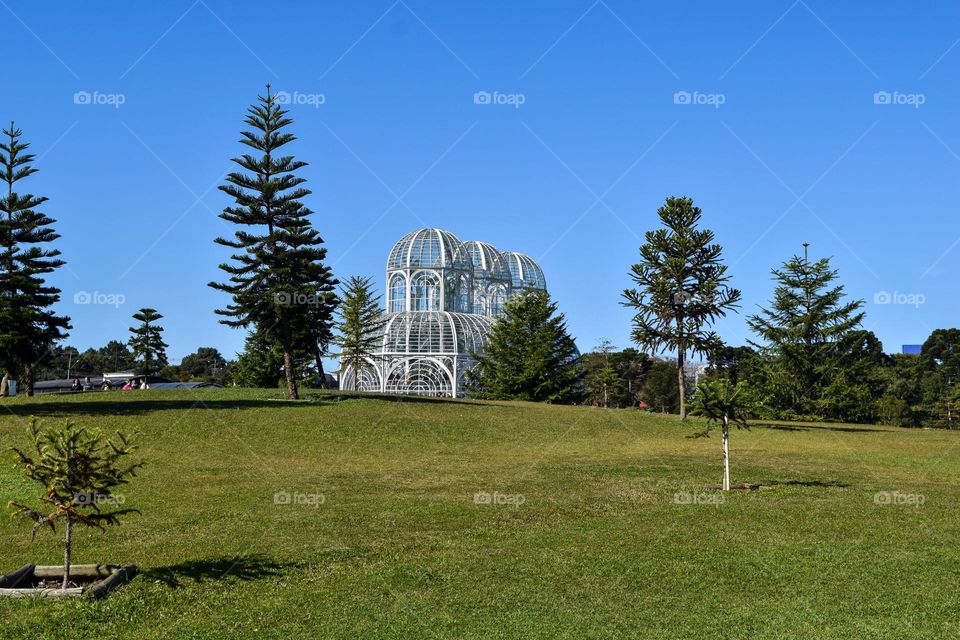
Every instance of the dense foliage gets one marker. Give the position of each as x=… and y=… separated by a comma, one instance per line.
x=813, y=360
x=530, y=355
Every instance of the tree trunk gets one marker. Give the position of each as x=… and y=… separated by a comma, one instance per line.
x=683, y=386
x=726, y=454
x=28, y=380
x=289, y=373
x=66, y=552
x=320, y=372
x=5, y=386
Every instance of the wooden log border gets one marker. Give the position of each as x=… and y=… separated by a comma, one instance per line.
x=112, y=575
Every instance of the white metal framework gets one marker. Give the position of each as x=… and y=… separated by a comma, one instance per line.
x=443, y=296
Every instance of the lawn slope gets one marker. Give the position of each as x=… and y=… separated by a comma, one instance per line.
x=605, y=527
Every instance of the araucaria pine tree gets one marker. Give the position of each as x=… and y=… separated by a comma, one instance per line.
x=147, y=343
x=530, y=355
x=28, y=326
x=681, y=288
x=720, y=401
x=78, y=470
x=360, y=322
x=807, y=334
x=279, y=283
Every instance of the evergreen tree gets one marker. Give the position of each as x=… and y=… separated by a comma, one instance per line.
x=721, y=402
x=808, y=334
x=601, y=379
x=28, y=326
x=940, y=359
x=659, y=390
x=261, y=364
x=682, y=288
x=278, y=281
x=147, y=343
x=360, y=324
x=78, y=470
x=319, y=335
x=530, y=355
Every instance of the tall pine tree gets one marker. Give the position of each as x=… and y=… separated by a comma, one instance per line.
x=530, y=355
x=681, y=288
x=807, y=334
x=280, y=286
x=360, y=324
x=146, y=342
x=29, y=328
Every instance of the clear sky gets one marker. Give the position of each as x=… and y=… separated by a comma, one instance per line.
x=780, y=137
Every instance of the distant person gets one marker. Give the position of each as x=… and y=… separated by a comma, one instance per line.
x=127, y=386
x=143, y=384
x=86, y=384
x=105, y=386
x=75, y=385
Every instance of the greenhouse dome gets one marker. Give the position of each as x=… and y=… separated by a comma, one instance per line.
x=491, y=278
x=443, y=297
x=524, y=272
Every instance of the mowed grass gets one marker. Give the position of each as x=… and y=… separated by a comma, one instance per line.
x=598, y=547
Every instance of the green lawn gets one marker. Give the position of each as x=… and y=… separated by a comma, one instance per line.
x=591, y=545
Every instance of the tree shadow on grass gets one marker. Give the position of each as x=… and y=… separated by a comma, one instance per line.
x=246, y=568
x=139, y=406
x=836, y=484
x=343, y=396
x=808, y=427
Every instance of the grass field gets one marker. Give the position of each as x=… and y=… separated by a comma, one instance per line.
x=589, y=539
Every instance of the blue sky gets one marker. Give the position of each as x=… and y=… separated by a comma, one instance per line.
x=783, y=140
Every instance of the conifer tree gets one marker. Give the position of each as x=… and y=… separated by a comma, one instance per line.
x=361, y=321
x=28, y=325
x=147, y=343
x=807, y=333
x=602, y=381
x=320, y=324
x=721, y=402
x=530, y=355
x=78, y=470
x=681, y=288
x=279, y=284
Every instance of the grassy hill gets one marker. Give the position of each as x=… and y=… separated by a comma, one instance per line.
x=589, y=541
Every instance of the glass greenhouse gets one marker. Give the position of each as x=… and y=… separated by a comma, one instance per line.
x=443, y=296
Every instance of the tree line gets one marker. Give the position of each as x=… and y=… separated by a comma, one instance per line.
x=280, y=288
x=809, y=356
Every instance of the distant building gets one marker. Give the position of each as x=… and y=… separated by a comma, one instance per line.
x=912, y=349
